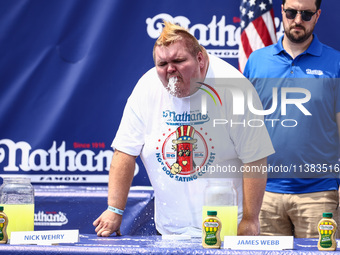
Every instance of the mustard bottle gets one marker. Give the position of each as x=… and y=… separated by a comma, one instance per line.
x=327, y=229
x=3, y=226
x=211, y=231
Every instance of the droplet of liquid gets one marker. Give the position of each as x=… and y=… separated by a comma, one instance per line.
x=171, y=85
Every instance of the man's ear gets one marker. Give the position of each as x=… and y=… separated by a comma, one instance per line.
x=318, y=13
x=201, y=60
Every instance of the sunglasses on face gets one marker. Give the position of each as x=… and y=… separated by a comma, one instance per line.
x=305, y=15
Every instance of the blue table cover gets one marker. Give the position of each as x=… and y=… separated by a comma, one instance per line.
x=91, y=244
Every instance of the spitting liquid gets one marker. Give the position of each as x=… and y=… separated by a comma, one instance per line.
x=171, y=85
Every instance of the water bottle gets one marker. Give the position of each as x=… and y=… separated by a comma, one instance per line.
x=220, y=195
x=17, y=198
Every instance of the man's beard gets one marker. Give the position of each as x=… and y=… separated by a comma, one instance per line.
x=298, y=37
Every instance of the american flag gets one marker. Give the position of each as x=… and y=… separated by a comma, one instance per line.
x=257, y=28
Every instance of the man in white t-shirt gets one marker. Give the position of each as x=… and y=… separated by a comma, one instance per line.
x=180, y=134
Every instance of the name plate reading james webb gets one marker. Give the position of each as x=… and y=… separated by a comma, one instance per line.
x=45, y=237
x=259, y=242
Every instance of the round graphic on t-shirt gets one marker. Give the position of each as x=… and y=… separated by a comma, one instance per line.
x=184, y=151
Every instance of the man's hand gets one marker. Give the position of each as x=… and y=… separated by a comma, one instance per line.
x=248, y=228
x=108, y=223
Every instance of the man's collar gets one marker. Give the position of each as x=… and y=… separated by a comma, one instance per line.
x=315, y=48
x=278, y=47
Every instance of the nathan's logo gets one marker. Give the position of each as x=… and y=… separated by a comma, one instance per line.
x=314, y=72
x=175, y=119
x=216, y=34
x=19, y=156
x=50, y=218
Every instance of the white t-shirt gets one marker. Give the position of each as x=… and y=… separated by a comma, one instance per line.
x=193, y=134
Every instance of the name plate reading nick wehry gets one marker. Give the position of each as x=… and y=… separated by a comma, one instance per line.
x=259, y=242
x=45, y=237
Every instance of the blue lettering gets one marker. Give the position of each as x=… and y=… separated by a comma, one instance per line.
x=43, y=237
x=248, y=242
x=185, y=179
x=35, y=237
x=270, y=242
x=173, y=115
x=28, y=238
x=170, y=155
x=184, y=117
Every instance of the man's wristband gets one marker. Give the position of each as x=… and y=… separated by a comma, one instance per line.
x=115, y=210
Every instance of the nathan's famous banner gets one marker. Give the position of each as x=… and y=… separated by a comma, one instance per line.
x=67, y=68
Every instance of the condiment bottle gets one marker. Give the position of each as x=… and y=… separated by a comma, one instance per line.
x=17, y=198
x=327, y=229
x=211, y=231
x=221, y=196
x=3, y=226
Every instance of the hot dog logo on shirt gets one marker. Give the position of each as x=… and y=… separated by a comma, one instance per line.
x=184, y=151
x=184, y=146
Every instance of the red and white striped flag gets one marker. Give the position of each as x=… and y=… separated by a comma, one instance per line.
x=257, y=28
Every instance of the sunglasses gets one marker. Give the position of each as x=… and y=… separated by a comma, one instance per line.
x=305, y=15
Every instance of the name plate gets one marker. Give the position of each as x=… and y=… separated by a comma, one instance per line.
x=45, y=237
x=259, y=242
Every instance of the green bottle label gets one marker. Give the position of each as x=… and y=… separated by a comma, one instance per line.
x=326, y=241
x=210, y=238
x=326, y=230
x=211, y=228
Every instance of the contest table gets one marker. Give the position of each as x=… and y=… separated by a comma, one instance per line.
x=60, y=207
x=91, y=244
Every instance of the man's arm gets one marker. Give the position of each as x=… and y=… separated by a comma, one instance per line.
x=254, y=184
x=120, y=179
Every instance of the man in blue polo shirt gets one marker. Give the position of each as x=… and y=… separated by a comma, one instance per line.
x=298, y=83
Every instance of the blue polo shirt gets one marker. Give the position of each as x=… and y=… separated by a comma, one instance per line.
x=302, y=98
